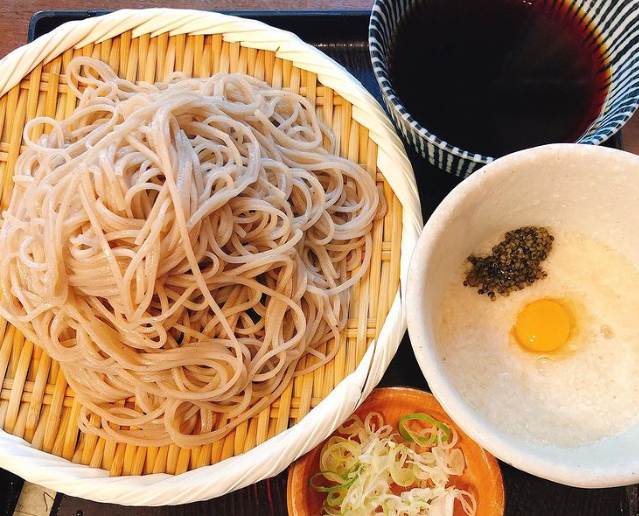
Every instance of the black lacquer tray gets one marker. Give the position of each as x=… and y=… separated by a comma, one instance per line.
x=343, y=36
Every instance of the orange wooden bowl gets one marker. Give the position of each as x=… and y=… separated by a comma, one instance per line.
x=482, y=476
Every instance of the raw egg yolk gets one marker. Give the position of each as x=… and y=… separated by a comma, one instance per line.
x=542, y=325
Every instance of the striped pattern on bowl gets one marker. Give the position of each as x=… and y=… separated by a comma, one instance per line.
x=617, y=25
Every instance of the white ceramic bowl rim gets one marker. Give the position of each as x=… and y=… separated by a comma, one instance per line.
x=481, y=430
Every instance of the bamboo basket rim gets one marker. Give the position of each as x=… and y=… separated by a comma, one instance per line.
x=276, y=453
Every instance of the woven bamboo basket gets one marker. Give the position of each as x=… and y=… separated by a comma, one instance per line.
x=38, y=411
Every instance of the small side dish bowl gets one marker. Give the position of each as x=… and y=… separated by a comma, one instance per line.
x=591, y=190
x=482, y=476
x=614, y=20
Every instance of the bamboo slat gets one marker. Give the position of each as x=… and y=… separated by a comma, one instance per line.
x=35, y=401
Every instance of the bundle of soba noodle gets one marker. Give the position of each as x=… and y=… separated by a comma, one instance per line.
x=178, y=247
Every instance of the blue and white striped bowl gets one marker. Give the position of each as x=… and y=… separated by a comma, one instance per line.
x=617, y=21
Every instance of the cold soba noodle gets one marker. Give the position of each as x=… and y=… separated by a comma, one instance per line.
x=182, y=245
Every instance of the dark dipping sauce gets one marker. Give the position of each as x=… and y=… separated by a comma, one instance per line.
x=496, y=76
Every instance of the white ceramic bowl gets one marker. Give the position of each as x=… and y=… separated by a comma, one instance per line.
x=593, y=190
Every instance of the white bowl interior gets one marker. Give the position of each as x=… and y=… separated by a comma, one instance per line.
x=592, y=190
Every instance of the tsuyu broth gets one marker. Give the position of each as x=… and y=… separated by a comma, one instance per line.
x=496, y=76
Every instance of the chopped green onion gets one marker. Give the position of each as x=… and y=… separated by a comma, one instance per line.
x=344, y=481
x=359, y=475
x=335, y=498
x=322, y=489
x=413, y=437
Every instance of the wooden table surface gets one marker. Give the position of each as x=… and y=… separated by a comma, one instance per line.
x=15, y=16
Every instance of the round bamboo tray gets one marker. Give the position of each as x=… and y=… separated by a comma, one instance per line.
x=38, y=412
